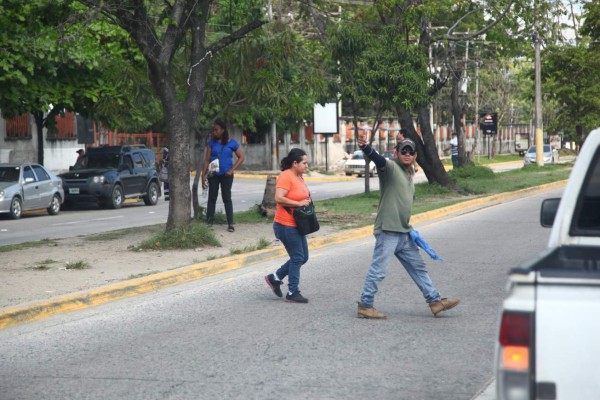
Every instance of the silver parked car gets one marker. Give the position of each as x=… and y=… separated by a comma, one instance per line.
x=550, y=155
x=28, y=186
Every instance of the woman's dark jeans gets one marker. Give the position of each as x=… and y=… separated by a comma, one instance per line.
x=213, y=192
x=296, y=246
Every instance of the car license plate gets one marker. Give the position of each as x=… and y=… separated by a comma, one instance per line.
x=73, y=190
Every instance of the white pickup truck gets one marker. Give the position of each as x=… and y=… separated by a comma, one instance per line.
x=549, y=341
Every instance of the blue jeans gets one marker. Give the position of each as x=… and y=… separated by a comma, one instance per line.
x=296, y=246
x=213, y=192
x=406, y=251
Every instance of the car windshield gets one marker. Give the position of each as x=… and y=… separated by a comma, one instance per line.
x=102, y=160
x=358, y=156
x=546, y=149
x=9, y=174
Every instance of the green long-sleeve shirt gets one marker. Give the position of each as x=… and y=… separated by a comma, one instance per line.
x=397, y=193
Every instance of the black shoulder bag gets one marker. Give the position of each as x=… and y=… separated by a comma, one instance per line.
x=306, y=218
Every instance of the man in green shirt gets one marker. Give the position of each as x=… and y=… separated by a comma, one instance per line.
x=392, y=228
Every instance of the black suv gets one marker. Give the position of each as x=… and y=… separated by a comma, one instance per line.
x=108, y=175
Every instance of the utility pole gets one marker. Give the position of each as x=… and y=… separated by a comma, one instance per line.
x=478, y=131
x=539, y=132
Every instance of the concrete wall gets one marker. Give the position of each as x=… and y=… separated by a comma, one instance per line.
x=59, y=154
x=18, y=149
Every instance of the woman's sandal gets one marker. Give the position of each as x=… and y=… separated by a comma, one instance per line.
x=230, y=228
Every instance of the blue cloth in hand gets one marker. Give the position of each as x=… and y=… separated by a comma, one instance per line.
x=419, y=241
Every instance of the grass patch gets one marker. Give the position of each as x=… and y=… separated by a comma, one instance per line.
x=262, y=243
x=482, y=159
x=196, y=234
x=121, y=233
x=521, y=178
x=28, y=245
x=77, y=265
x=43, y=265
x=251, y=216
x=360, y=209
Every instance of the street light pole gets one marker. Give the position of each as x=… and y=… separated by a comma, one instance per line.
x=539, y=132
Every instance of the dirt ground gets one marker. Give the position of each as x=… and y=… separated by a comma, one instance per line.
x=41, y=273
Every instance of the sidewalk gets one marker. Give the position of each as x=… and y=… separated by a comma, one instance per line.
x=41, y=307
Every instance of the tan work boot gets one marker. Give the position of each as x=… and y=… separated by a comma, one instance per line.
x=369, y=313
x=443, y=305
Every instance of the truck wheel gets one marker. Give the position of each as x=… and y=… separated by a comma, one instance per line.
x=151, y=197
x=16, y=208
x=116, y=198
x=54, y=208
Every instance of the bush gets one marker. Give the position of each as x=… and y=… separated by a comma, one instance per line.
x=196, y=234
x=472, y=172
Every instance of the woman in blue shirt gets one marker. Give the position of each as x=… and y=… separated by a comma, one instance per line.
x=223, y=148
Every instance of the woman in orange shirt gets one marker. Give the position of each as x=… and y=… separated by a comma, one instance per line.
x=290, y=191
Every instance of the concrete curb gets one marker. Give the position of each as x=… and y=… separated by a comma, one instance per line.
x=78, y=301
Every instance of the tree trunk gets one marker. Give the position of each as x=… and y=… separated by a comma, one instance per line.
x=186, y=33
x=427, y=154
x=580, y=136
x=179, y=127
x=38, y=117
x=457, y=114
x=268, y=205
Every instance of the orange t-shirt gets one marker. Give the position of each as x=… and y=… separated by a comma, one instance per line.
x=297, y=190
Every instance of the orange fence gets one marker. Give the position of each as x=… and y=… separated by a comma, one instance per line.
x=18, y=127
x=65, y=127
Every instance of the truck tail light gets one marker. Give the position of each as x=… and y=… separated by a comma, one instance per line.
x=514, y=356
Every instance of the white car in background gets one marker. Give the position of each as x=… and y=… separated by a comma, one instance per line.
x=27, y=186
x=356, y=165
x=550, y=155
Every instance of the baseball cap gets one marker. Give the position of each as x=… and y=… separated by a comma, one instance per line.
x=406, y=143
x=79, y=151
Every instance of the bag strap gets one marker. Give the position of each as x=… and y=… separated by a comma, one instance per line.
x=289, y=209
x=222, y=148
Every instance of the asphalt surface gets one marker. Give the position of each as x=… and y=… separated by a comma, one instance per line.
x=345, y=244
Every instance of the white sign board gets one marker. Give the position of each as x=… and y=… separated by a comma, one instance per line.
x=325, y=118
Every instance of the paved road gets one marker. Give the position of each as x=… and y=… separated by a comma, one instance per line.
x=228, y=337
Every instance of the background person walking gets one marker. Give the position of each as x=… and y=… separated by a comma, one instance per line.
x=223, y=148
x=164, y=171
x=290, y=191
x=392, y=230
x=453, y=147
